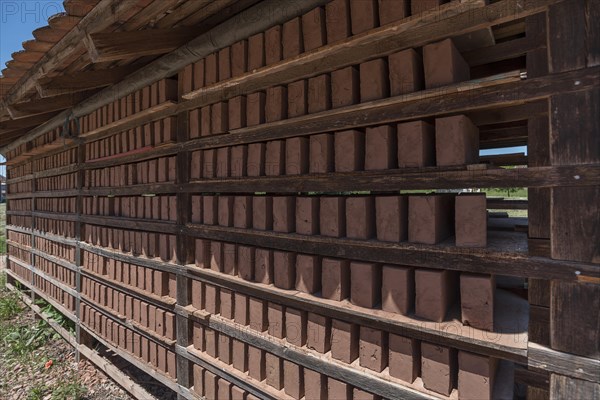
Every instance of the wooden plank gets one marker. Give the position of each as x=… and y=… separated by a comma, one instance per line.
x=546, y=359
x=563, y=387
x=566, y=38
x=539, y=323
x=25, y=122
x=43, y=106
x=81, y=81
x=532, y=378
x=502, y=51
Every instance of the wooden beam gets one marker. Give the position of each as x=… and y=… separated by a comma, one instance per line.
x=125, y=45
x=81, y=81
x=564, y=387
x=49, y=104
x=547, y=359
x=25, y=122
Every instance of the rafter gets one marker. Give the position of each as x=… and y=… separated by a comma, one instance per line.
x=81, y=81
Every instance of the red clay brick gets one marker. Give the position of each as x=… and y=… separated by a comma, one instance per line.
x=476, y=376
x=202, y=253
x=223, y=164
x=398, y=289
x=284, y=269
x=345, y=87
x=209, y=163
x=430, y=218
x=318, y=333
x=198, y=336
x=242, y=212
x=477, y=300
x=337, y=16
x=216, y=256
x=297, y=93
x=224, y=345
x=338, y=390
x=443, y=64
x=308, y=273
x=319, y=94
x=335, y=279
x=212, y=299
x=360, y=217
x=380, y=148
x=404, y=358
x=256, y=363
x=391, y=215
x=263, y=267
x=211, y=341
x=211, y=65
x=273, y=45
x=237, y=393
x=237, y=112
x=274, y=371
x=255, y=109
x=295, y=326
x=224, y=63
x=406, y=72
x=240, y=359
x=275, y=158
x=438, y=368
x=225, y=210
x=258, y=314
x=296, y=156
x=471, y=220
x=457, y=141
x=349, y=151
x=416, y=144
x=292, y=38
x=245, y=261
x=315, y=385
x=224, y=389
x=393, y=10
x=321, y=153
x=256, y=159
x=374, y=83
x=344, y=341
x=313, y=29
x=307, y=215
x=293, y=380
x=365, y=284
x=284, y=213
x=358, y=394
x=275, y=316
x=373, y=349
x=226, y=302
x=239, y=159
x=364, y=15
x=205, y=121
x=229, y=259
x=256, y=51
x=239, y=58
x=262, y=212
x=241, y=309
x=332, y=220
x=276, y=103
x=198, y=74
x=210, y=385
x=436, y=291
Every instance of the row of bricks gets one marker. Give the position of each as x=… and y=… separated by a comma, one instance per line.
x=56, y=204
x=338, y=20
x=23, y=272
x=60, y=182
x=60, y=250
x=61, y=159
x=22, y=238
x=152, y=134
x=19, y=220
x=155, y=282
x=427, y=219
x=155, y=319
x=147, y=244
x=209, y=385
x=55, y=292
x=20, y=187
x=398, y=74
x=266, y=368
x=162, y=169
x=147, y=207
x=46, y=138
x=130, y=341
x=453, y=141
x=19, y=253
x=19, y=170
x=56, y=271
x=19, y=205
x=149, y=96
x=53, y=226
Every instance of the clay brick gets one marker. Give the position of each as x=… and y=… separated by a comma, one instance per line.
x=416, y=144
x=332, y=216
x=198, y=74
x=292, y=38
x=237, y=112
x=471, y=220
x=205, y=121
x=398, y=289
x=237, y=393
x=284, y=213
x=438, y=368
x=307, y=215
x=319, y=94
x=337, y=17
x=256, y=51
x=225, y=213
x=297, y=97
x=276, y=103
x=338, y=390
x=242, y=211
x=240, y=359
x=245, y=262
x=284, y=269
x=239, y=58
x=225, y=349
x=211, y=299
x=364, y=15
x=344, y=341
x=457, y=141
x=393, y=10
x=198, y=336
x=436, y=291
x=211, y=65
x=258, y=314
x=293, y=380
x=360, y=217
x=295, y=326
x=335, y=279
x=313, y=29
x=229, y=259
x=380, y=148
x=274, y=371
x=345, y=87
x=226, y=302
x=224, y=389
x=255, y=109
x=477, y=300
x=321, y=159
x=275, y=158
x=256, y=363
x=209, y=163
x=404, y=358
x=262, y=212
x=241, y=309
x=256, y=159
x=318, y=333
x=223, y=156
x=211, y=342
x=358, y=394
x=443, y=64
x=219, y=117
x=430, y=218
x=239, y=158
x=202, y=253
x=418, y=7
x=210, y=210
x=216, y=256
x=275, y=316
x=315, y=385
x=308, y=273
x=373, y=349
x=406, y=72
x=194, y=123
x=391, y=215
x=374, y=83
x=263, y=266
x=210, y=385
x=476, y=376
x=296, y=156
x=365, y=284
x=273, y=45
x=349, y=151
x=224, y=63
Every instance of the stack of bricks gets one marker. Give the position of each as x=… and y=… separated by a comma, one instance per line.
x=158, y=170
x=55, y=292
x=62, y=159
x=56, y=204
x=60, y=182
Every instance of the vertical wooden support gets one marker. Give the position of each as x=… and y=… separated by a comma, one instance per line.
x=81, y=336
